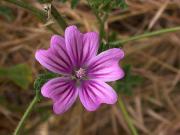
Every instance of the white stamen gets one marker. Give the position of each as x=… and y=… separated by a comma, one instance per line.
x=81, y=73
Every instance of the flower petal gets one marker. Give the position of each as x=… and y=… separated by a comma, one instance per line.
x=55, y=58
x=74, y=42
x=94, y=92
x=105, y=66
x=59, y=48
x=90, y=46
x=62, y=91
x=81, y=47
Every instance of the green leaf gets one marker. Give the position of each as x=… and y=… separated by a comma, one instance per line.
x=63, y=1
x=74, y=3
x=130, y=81
x=112, y=36
x=20, y=74
x=122, y=4
x=104, y=47
x=44, y=1
x=40, y=80
x=107, y=5
x=7, y=13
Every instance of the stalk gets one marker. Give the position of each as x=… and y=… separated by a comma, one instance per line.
x=127, y=117
x=25, y=116
x=145, y=35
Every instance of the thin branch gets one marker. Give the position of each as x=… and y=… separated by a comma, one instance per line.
x=41, y=15
x=57, y=16
x=145, y=35
x=25, y=116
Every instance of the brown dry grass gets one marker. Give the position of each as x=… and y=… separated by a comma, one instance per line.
x=154, y=107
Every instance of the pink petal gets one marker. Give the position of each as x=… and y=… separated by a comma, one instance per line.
x=105, y=66
x=55, y=58
x=63, y=93
x=94, y=92
x=59, y=48
x=90, y=46
x=81, y=47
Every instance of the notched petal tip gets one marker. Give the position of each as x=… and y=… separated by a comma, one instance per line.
x=92, y=38
x=119, y=74
x=44, y=90
x=39, y=53
x=71, y=28
x=92, y=34
x=56, y=110
x=56, y=39
x=72, y=32
x=94, y=108
x=122, y=74
x=117, y=52
x=105, y=66
x=94, y=93
x=63, y=93
x=121, y=53
x=101, y=104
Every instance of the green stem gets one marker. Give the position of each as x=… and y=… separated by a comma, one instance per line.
x=101, y=28
x=57, y=16
x=103, y=33
x=25, y=116
x=127, y=117
x=41, y=15
x=145, y=35
x=101, y=25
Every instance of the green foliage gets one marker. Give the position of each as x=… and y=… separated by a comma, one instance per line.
x=7, y=13
x=74, y=3
x=112, y=37
x=127, y=84
x=122, y=4
x=63, y=1
x=41, y=79
x=101, y=9
x=104, y=47
x=44, y=1
x=20, y=74
x=107, y=5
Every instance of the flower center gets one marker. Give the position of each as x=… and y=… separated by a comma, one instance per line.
x=80, y=74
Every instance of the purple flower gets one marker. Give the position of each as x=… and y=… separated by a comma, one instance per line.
x=84, y=73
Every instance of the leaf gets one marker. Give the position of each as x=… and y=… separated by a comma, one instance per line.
x=107, y=5
x=44, y=1
x=74, y=3
x=127, y=84
x=112, y=36
x=41, y=80
x=7, y=13
x=20, y=74
x=104, y=47
x=122, y=4
x=63, y=1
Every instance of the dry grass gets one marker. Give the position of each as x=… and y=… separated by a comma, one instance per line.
x=154, y=107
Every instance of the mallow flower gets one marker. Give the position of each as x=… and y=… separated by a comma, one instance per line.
x=84, y=73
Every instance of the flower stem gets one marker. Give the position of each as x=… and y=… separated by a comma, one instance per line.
x=41, y=15
x=57, y=16
x=25, y=116
x=145, y=35
x=127, y=117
